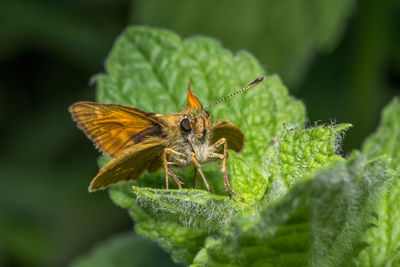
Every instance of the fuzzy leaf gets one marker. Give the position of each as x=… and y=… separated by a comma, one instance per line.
x=183, y=242
x=319, y=223
x=195, y=208
x=292, y=155
x=386, y=140
x=384, y=239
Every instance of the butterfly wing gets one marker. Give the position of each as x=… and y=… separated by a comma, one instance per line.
x=231, y=132
x=115, y=128
x=129, y=165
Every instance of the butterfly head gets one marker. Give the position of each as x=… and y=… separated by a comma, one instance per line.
x=196, y=121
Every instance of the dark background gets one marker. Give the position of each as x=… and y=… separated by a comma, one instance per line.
x=341, y=58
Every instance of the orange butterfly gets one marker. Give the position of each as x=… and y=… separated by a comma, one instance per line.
x=138, y=140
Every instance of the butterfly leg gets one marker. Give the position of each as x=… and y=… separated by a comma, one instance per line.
x=166, y=163
x=176, y=179
x=197, y=165
x=195, y=177
x=224, y=156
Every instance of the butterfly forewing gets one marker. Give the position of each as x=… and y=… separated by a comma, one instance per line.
x=230, y=132
x=115, y=128
x=130, y=165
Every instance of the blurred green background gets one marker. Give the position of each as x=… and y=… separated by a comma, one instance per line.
x=340, y=57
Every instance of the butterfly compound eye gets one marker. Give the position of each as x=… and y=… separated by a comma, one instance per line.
x=185, y=125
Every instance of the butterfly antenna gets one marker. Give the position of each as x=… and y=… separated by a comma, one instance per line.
x=171, y=115
x=189, y=82
x=253, y=83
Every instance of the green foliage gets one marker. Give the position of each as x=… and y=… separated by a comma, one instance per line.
x=291, y=155
x=386, y=140
x=384, y=239
x=198, y=209
x=284, y=34
x=150, y=69
x=303, y=203
x=50, y=49
x=181, y=240
x=319, y=222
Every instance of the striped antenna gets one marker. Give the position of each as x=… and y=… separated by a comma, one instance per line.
x=171, y=115
x=253, y=83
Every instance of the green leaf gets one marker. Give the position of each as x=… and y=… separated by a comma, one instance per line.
x=183, y=242
x=182, y=236
x=384, y=239
x=386, y=140
x=149, y=69
x=320, y=222
x=284, y=35
x=293, y=155
x=126, y=249
x=146, y=69
x=195, y=208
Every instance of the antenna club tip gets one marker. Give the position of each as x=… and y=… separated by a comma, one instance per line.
x=257, y=81
x=260, y=79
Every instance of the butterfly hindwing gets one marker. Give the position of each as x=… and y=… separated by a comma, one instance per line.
x=230, y=132
x=129, y=165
